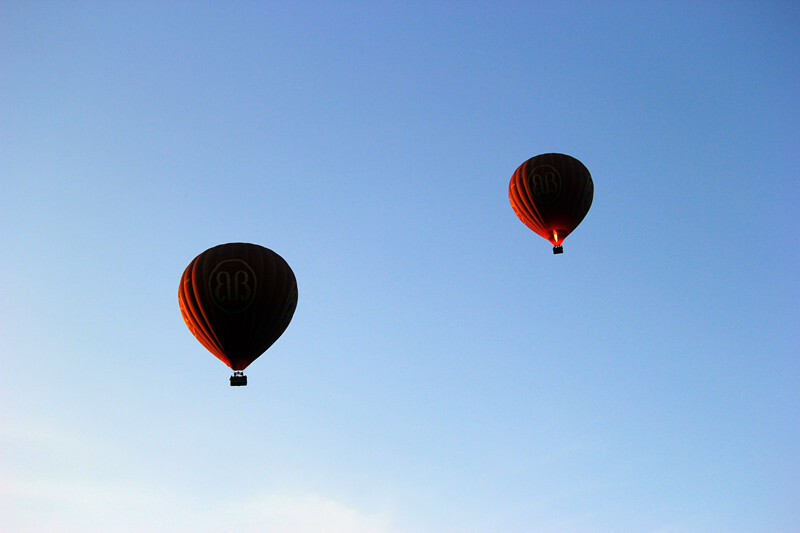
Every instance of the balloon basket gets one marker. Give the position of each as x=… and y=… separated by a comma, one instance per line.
x=238, y=379
x=558, y=249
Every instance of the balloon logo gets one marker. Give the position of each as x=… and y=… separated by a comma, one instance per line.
x=237, y=299
x=545, y=183
x=232, y=285
x=551, y=194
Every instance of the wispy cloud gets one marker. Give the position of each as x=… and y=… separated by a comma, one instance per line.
x=304, y=513
x=68, y=505
x=34, y=497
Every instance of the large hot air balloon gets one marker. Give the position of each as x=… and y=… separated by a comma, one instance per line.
x=237, y=299
x=551, y=193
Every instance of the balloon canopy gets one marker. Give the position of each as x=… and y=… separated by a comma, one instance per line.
x=551, y=194
x=237, y=299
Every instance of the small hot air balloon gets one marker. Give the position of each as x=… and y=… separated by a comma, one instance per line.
x=237, y=299
x=551, y=194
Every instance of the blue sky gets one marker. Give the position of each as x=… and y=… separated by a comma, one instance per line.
x=444, y=371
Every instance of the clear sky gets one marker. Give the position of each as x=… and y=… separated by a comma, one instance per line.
x=444, y=371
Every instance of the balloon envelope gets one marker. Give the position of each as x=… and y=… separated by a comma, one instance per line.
x=551, y=194
x=237, y=299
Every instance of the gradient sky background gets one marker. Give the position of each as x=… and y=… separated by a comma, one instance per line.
x=444, y=371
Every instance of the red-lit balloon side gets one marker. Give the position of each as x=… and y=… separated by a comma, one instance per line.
x=237, y=299
x=551, y=194
x=192, y=314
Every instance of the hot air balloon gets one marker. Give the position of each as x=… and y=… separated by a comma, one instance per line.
x=237, y=299
x=551, y=194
